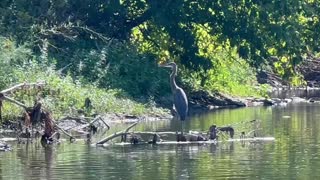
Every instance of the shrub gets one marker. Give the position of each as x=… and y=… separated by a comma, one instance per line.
x=120, y=66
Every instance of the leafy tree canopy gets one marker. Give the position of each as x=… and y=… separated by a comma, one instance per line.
x=287, y=29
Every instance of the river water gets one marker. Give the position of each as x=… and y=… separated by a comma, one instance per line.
x=293, y=155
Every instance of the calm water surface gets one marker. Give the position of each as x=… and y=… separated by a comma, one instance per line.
x=294, y=154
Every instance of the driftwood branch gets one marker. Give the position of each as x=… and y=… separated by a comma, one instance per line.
x=131, y=126
x=121, y=133
x=94, y=33
x=4, y=93
x=90, y=123
x=55, y=133
x=22, y=86
x=105, y=123
x=3, y=97
x=111, y=137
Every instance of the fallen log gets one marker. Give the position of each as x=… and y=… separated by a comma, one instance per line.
x=191, y=136
x=115, y=135
x=251, y=140
x=158, y=134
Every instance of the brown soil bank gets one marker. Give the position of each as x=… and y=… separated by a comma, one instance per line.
x=204, y=101
x=309, y=69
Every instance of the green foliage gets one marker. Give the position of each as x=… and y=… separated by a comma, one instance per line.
x=120, y=66
x=195, y=34
x=62, y=94
x=11, y=56
x=285, y=69
x=231, y=75
x=254, y=27
x=297, y=80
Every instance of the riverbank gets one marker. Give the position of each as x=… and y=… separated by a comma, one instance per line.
x=202, y=101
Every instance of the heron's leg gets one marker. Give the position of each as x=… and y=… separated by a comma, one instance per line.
x=181, y=128
x=182, y=137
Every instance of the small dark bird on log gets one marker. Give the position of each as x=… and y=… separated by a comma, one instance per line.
x=213, y=132
x=227, y=129
x=134, y=139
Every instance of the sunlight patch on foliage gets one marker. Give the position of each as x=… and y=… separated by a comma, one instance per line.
x=230, y=73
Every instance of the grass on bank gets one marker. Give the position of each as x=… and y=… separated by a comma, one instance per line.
x=64, y=96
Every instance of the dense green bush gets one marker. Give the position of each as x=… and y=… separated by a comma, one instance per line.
x=120, y=66
x=231, y=75
x=11, y=57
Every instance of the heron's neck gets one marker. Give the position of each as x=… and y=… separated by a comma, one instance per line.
x=173, y=80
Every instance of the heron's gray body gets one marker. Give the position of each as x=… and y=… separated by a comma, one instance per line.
x=181, y=103
x=180, y=100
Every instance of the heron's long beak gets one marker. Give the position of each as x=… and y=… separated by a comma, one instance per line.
x=164, y=65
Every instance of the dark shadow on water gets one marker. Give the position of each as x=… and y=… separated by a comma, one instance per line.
x=48, y=157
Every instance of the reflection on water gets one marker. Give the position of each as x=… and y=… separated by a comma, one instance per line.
x=294, y=154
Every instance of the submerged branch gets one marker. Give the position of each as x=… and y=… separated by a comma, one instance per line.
x=65, y=132
x=117, y=134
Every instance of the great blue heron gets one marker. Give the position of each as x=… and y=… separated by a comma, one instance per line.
x=180, y=101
